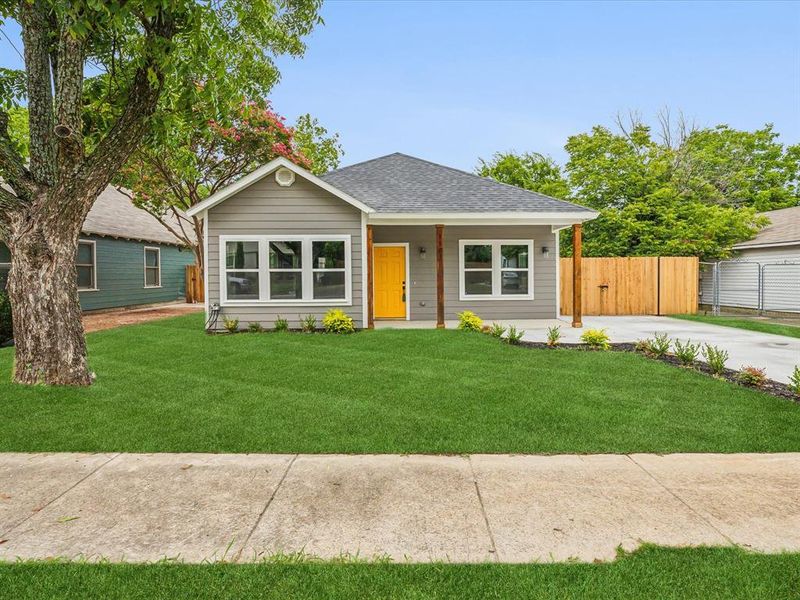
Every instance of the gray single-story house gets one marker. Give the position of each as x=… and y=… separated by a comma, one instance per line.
x=125, y=257
x=394, y=238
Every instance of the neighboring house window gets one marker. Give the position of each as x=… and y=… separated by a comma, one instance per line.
x=291, y=269
x=86, y=265
x=496, y=269
x=152, y=267
x=5, y=265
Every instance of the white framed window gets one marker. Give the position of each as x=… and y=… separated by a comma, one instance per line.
x=86, y=265
x=152, y=267
x=495, y=269
x=286, y=270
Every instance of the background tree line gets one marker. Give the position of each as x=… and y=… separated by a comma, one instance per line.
x=681, y=191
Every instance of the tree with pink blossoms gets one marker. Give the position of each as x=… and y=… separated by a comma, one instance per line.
x=191, y=157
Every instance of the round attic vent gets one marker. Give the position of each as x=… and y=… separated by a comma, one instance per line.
x=284, y=177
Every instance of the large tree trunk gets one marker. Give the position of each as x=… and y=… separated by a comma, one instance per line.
x=48, y=331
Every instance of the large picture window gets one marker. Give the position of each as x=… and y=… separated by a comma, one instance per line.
x=495, y=269
x=86, y=265
x=286, y=270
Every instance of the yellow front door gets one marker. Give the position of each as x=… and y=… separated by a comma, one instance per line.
x=390, y=282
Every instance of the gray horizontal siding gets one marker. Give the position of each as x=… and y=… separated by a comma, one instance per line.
x=265, y=208
x=422, y=289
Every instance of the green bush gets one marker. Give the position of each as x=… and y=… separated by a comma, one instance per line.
x=596, y=339
x=6, y=324
x=752, y=376
x=255, y=327
x=794, y=381
x=716, y=358
x=497, y=330
x=308, y=323
x=281, y=324
x=553, y=336
x=657, y=346
x=231, y=324
x=514, y=336
x=469, y=321
x=686, y=352
x=337, y=321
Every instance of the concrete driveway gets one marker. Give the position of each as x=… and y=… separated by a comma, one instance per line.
x=777, y=353
x=504, y=508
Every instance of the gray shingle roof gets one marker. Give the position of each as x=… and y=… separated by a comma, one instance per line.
x=399, y=183
x=784, y=228
x=113, y=214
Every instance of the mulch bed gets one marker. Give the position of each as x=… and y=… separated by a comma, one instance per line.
x=770, y=386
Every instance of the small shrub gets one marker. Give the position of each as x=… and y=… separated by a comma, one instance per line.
x=686, y=352
x=231, y=324
x=337, y=321
x=469, y=321
x=642, y=346
x=497, y=330
x=553, y=336
x=6, y=325
x=596, y=339
x=514, y=335
x=752, y=376
x=716, y=358
x=281, y=325
x=794, y=381
x=659, y=345
x=255, y=327
x=308, y=323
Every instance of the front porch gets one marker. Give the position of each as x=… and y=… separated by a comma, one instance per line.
x=528, y=325
x=423, y=275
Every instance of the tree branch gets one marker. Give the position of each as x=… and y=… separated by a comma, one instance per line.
x=69, y=102
x=114, y=149
x=36, y=36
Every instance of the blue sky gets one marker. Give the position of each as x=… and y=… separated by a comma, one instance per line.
x=454, y=81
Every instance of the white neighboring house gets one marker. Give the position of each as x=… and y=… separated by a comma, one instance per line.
x=765, y=271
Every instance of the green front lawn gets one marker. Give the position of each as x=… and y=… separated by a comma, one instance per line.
x=168, y=387
x=701, y=573
x=744, y=323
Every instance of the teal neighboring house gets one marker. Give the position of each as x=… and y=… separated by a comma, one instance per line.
x=125, y=257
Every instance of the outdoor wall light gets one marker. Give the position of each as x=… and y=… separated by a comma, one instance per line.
x=545, y=251
x=422, y=251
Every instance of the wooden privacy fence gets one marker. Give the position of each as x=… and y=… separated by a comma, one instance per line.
x=195, y=291
x=636, y=285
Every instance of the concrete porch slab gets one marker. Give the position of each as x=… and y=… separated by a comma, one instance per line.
x=417, y=508
x=556, y=508
x=192, y=507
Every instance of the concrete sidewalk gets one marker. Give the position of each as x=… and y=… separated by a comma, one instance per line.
x=197, y=507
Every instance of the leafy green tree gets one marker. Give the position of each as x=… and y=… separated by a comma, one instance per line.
x=180, y=165
x=149, y=58
x=688, y=192
x=322, y=149
x=530, y=170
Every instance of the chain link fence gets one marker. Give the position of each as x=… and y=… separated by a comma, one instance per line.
x=750, y=286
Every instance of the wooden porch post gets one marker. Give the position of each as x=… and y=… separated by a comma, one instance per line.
x=370, y=287
x=577, y=282
x=440, y=276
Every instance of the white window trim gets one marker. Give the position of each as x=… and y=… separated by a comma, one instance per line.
x=497, y=270
x=308, y=270
x=94, y=287
x=158, y=249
